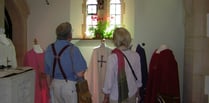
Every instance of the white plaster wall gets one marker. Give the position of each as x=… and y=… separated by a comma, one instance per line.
x=153, y=22
x=76, y=17
x=161, y=22
x=43, y=20
x=129, y=16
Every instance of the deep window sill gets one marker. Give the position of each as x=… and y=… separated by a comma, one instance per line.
x=91, y=42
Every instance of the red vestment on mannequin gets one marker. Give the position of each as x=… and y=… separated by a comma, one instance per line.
x=36, y=60
x=163, y=76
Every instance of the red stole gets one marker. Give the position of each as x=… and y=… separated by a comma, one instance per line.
x=122, y=82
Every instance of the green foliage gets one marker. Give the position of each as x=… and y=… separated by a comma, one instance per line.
x=109, y=33
x=101, y=30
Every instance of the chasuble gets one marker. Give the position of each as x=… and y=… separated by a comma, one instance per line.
x=163, y=76
x=96, y=72
x=7, y=52
x=36, y=60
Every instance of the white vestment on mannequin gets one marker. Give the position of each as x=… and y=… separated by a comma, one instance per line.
x=96, y=72
x=7, y=52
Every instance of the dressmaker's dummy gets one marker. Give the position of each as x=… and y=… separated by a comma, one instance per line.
x=35, y=58
x=7, y=51
x=143, y=61
x=161, y=48
x=96, y=71
x=163, y=76
x=37, y=48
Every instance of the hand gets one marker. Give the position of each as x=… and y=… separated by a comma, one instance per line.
x=49, y=80
x=106, y=99
x=81, y=74
x=138, y=93
x=138, y=98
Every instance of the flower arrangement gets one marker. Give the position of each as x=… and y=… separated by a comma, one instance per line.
x=102, y=30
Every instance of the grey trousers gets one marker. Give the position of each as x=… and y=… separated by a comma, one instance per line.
x=64, y=92
x=129, y=100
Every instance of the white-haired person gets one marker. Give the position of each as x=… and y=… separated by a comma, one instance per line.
x=123, y=74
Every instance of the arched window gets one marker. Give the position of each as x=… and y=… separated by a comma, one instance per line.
x=102, y=16
x=115, y=12
x=91, y=15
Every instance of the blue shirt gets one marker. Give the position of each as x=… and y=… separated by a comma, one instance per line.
x=79, y=63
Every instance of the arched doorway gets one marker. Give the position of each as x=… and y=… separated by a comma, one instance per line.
x=18, y=12
x=7, y=25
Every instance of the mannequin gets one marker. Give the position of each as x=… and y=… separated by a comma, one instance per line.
x=7, y=51
x=36, y=47
x=35, y=58
x=3, y=38
x=103, y=44
x=161, y=48
x=163, y=76
x=97, y=69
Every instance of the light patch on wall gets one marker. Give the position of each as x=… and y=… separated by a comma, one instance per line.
x=207, y=85
x=76, y=17
x=208, y=25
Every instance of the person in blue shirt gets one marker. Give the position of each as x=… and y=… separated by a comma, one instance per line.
x=64, y=65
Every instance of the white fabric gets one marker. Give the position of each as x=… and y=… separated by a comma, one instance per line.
x=4, y=40
x=111, y=81
x=96, y=72
x=161, y=48
x=129, y=100
x=37, y=48
x=7, y=52
x=64, y=92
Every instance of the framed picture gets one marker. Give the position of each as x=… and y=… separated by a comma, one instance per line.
x=92, y=9
x=100, y=4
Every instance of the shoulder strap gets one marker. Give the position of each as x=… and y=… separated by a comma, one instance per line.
x=130, y=66
x=57, y=59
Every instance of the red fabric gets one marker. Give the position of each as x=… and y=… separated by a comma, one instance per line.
x=163, y=76
x=36, y=61
x=122, y=81
x=121, y=62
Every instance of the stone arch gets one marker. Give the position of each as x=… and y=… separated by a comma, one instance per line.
x=18, y=11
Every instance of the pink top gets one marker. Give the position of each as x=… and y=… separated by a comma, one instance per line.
x=36, y=60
